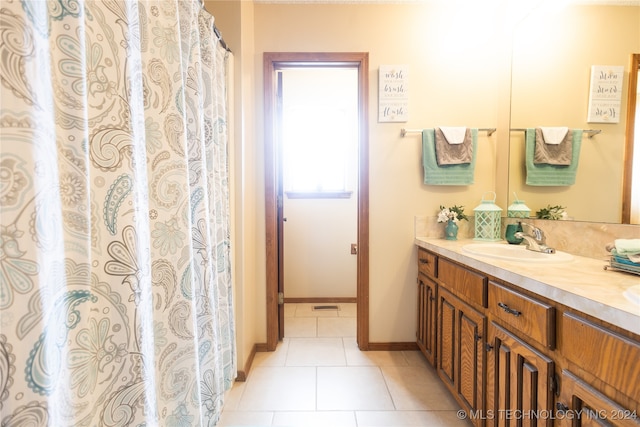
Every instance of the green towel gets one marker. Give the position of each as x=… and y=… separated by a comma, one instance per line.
x=461, y=174
x=627, y=246
x=551, y=175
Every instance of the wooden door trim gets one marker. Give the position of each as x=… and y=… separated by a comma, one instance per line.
x=629, y=138
x=271, y=61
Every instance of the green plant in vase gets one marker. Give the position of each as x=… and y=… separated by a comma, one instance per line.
x=551, y=212
x=451, y=216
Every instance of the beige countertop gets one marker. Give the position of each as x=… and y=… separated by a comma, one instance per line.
x=582, y=284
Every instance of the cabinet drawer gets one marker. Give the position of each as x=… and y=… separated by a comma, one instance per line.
x=466, y=284
x=596, y=409
x=533, y=318
x=603, y=353
x=427, y=263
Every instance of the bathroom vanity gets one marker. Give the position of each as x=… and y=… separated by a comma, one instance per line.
x=530, y=343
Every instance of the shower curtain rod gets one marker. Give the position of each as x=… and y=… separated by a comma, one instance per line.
x=220, y=39
x=216, y=31
x=404, y=131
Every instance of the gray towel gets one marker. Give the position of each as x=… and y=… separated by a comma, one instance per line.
x=553, y=154
x=446, y=174
x=453, y=154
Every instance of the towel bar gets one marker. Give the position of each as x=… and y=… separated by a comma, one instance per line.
x=404, y=131
x=590, y=132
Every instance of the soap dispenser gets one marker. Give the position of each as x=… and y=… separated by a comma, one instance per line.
x=510, y=233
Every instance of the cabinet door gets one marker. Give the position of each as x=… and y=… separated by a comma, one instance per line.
x=521, y=392
x=427, y=306
x=580, y=405
x=461, y=357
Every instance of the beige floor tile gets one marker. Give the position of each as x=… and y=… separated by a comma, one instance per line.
x=417, y=388
x=336, y=327
x=315, y=419
x=453, y=419
x=401, y=419
x=331, y=380
x=316, y=352
x=237, y=419
x=416, y=358
x=280, y=389
x=355, y=357
x=352, y=388
x=233, y=396
x=272, y=358
x=296, y=327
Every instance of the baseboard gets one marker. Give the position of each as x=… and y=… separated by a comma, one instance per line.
x=243, y=374
x=320, y=300
x=393, y=346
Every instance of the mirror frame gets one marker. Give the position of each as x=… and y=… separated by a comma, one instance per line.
x=629, y=138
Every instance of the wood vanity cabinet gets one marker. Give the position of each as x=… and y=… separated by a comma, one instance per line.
x=512, y=358
x=427, y=308
x=461, y=357
x=450, y=330
x=427, y=304
x=581, y=405
x=521, y=382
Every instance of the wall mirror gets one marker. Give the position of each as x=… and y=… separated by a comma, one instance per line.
x=553, y=52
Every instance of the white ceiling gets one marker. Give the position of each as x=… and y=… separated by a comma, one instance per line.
x=603, y=2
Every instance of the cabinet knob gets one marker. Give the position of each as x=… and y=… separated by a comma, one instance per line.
x=424, y=261
x=561, y=407
x=508, y=309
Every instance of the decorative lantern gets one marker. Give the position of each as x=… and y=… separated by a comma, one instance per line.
x=488, y=219
x=518, y=210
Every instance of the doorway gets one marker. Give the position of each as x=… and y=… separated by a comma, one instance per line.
x=273, y=65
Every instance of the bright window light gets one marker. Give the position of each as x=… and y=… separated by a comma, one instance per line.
x=319, y=129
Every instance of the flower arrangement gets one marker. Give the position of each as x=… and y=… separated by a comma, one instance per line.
x=551, y=212
x=454, y=213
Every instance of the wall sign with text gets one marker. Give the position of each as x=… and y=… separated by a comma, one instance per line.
x=605, y=93
x=393, y=93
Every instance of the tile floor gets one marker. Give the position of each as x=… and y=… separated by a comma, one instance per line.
x=318, y=377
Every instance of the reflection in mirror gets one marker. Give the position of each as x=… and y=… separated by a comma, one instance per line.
x=634, y=154
x=631, y=179
x=553, y=53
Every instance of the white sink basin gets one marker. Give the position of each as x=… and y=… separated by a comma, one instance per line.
x=633, y=294
x=515, y=253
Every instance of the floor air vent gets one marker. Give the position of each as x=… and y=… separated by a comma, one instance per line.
x=325, y=307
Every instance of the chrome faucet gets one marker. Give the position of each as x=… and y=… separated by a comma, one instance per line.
x=535, y=239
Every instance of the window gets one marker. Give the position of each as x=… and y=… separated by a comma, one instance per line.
x=319, y=130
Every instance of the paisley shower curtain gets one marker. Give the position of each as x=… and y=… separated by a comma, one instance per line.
x=115, y=278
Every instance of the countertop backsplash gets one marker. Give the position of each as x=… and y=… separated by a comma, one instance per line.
x=586, y=239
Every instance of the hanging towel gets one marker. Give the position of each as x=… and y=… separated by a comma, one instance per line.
x=554, y=146
x=454, y=146
x=461, y=174
x=454, y=135
x=551, y=175
x=554, y=135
